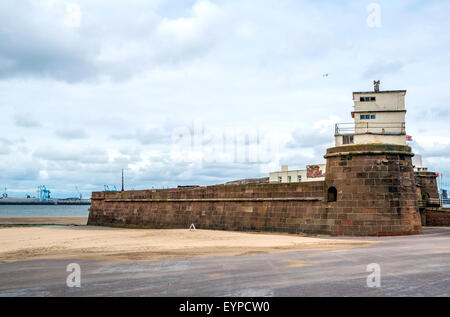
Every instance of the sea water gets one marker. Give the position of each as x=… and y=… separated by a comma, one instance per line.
x=44, y=211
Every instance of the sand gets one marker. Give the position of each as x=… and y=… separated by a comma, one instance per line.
x=113, y=244
x=77, y=221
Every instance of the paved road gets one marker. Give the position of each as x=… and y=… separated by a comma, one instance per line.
x=410, y=266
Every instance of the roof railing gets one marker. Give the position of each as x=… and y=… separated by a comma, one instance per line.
x=382, y=128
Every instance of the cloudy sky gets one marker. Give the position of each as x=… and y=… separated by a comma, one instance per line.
x=205, y=91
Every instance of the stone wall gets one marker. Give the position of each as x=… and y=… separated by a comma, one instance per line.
x=293, y=208
x=376, y=190
x=438, y=218
x=427, y=194
x=428, y=190
x=368, y=191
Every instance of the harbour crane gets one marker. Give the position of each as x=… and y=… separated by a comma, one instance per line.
x=43, y=193
x=79, y=193
x=107, y=189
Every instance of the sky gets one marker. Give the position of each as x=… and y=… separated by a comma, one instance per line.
x=206, y=91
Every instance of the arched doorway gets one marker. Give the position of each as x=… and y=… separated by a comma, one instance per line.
x=332, y=194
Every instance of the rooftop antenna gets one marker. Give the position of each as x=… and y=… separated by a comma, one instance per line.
x=376, y=85
x=123, y=189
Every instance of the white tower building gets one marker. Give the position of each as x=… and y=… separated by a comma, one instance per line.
x=379, y=117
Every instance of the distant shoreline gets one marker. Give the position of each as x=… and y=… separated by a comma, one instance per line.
x=19, y=202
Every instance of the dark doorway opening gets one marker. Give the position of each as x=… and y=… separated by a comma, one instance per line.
x=332, y=194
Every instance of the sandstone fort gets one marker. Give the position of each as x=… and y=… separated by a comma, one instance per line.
x=368, y=187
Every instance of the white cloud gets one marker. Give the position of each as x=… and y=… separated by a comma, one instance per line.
x=193, y=28
x=73, y=15
x=43, y=174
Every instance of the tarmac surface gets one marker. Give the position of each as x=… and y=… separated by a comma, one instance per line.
x=410, y=266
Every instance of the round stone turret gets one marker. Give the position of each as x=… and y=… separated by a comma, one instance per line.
x=370, y=189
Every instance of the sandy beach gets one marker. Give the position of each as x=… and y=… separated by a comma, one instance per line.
x=72, y=221
x=113, y=244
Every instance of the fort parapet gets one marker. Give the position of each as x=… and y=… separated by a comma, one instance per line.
x=369, y=190
x=260, y=207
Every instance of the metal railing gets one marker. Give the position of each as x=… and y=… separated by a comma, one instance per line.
x=434, y=202
x=430, y=202
x=387, y=128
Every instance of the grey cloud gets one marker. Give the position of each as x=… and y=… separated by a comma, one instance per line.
x=26, y=121
x=381, y=68
x=432, y=113
x=118, y=44
x=146, y=136
x=231, y=172
x=5, y=142
x=79, y=155
x=72, y=133
x=19, y=174
x=438, y=151
x=174, y=173
x=297, y=160
x=5, y=146
x=307, y=139
x=35, y=43
x=153, y=136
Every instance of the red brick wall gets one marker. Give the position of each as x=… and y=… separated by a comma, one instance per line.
x=313, y=171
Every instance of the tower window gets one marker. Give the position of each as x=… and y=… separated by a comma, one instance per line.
x=299, y=178
x=289, y=179
x=347, y=139
x=367, y=99
x=368, y=117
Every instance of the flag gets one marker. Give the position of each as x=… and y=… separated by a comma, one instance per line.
x=409, y=138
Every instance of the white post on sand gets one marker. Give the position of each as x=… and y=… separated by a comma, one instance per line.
x=192, y=227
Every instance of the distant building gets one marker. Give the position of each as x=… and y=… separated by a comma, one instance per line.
x=418, y=164
x=312, y=173
x=379, y=117
x=249, y=181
